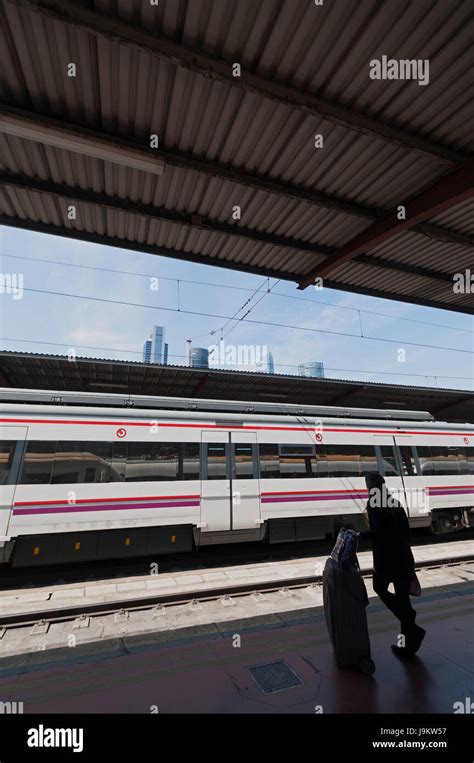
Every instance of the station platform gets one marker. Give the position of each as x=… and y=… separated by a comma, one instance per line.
x=35, y=599
x=279, y=662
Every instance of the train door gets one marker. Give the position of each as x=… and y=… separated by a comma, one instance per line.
x=215, y=481
x=415, y=497
x=230, y=495
x=245, y=492
x=12, y=443
x=389, y=466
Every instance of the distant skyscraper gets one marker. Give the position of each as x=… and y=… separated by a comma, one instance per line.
x=187, y=353
x=315, y=368
x=199, y=357
x=155, y=348
x=147, y=351
x=165, y=354
x=270, y=364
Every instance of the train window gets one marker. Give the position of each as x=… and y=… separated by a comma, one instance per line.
x=408, y=460
x=79, y=462
x=297, y=450
x=295, y=461
x=216, y=461
x=38, y=463
x=469, y=459
x=281, y=461
x=269, y=461
x=448, y=460
x=89, y=474
x=425, y=459
x=118, y=462
x=445, y=460
x=67, y=465
x=68, y=462
x=189, y=463
x=295, y=467
x=389, y=461
x=243, y=461
x=319, y=462
x=343, y=460
x=160, y=461
x=167, y=458
x=460, y=455
x=142, y=463
x=97, y=459
x=322, y=461
x=368, y=458
x=7, y=448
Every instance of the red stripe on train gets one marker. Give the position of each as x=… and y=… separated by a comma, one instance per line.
x=240, y=428
x=99, y=500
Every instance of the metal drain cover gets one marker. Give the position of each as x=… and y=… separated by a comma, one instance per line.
x=275, y=676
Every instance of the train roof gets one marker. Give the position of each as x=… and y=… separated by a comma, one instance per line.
x=110, y=400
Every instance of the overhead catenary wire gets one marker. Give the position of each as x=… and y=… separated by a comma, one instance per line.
x=237, y=320
x=201, y=314
x=236, y=288
x=234, y=317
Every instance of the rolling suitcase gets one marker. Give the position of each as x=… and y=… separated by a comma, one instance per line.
x=345, y=601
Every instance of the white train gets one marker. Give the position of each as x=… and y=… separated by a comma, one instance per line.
x=86, y=476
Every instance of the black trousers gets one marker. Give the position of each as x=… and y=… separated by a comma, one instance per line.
x=399, y=602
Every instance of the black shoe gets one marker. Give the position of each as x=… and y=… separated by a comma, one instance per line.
x=414, y=639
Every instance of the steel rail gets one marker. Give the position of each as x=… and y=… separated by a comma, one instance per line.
x=62, y=614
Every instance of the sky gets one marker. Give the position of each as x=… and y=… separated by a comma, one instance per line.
x=432, y=348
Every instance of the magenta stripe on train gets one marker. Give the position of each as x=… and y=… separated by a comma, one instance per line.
x=67, y=508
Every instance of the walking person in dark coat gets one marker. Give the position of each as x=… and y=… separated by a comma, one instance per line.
x=393, y=560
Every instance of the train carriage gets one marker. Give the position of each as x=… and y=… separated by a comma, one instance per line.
x=86, y=476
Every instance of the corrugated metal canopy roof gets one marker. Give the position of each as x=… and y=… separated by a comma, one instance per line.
x=55, y=372
x=248, y=140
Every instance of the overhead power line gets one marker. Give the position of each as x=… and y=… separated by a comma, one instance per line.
x=250, y=320
x=192, y=282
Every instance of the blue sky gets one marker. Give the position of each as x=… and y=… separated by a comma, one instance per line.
x=53, y=324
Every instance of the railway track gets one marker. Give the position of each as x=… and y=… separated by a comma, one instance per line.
x=209, y=557
x=49, y=616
